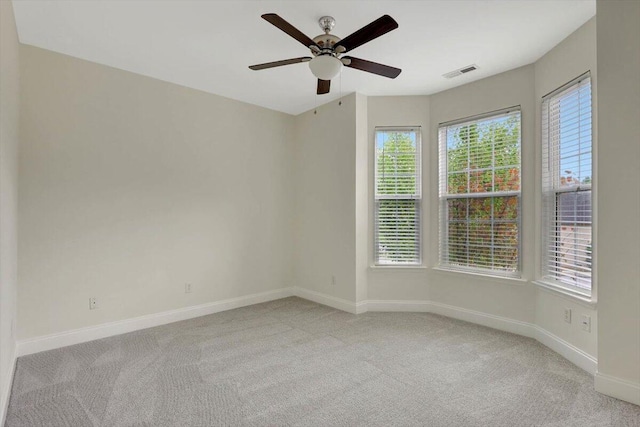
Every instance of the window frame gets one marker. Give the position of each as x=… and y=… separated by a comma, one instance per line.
x=444, y=196
x=544, y=278
x=418, y=197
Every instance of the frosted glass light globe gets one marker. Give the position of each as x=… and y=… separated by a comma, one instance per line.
x=325, y=67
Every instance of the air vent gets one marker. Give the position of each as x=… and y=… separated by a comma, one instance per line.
x=461, y=71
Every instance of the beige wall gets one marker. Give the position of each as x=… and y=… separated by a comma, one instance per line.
x=131, y=187
x=514, y=299
x=618, y=44
x=9, y=116
x=507, y=298
x=362, y=184
x=501, y=297
x=519, y=300
x=325, y=213
x=571, y=58
x=387, y=283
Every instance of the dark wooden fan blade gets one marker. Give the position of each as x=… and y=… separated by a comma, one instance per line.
x=372, y=67
x=380, y=26
x=323, y=86
x=280, y=63
x=288, y=28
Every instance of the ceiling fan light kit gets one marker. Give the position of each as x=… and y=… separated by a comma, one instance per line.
x=325, y=67
x=326, y=62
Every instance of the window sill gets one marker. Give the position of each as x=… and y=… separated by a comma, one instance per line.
x=514, y=280
x=385, y=267
x=566, y=293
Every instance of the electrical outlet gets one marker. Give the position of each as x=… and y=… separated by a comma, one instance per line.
x=333, y=280
x=567, y=315
x=187, y=288
x=93, y=303
x=586, y=323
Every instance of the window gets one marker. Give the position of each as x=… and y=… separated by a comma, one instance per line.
x=398, y=196
x=480, y=194
x=567, y=175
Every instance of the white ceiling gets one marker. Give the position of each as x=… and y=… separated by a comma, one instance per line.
x=208, y=45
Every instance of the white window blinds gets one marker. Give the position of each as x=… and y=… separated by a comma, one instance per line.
x=480, y=193
x=398, y=196
x=567, y=175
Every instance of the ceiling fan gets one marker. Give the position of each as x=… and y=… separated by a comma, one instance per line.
x=327, y=49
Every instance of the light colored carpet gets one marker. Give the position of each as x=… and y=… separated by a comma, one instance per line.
x=294, y=362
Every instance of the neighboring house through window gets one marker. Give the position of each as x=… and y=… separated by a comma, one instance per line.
x=567, y=176
x=398, y=196
x=480, y=193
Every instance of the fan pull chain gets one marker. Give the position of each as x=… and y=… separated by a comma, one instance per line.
x=340, y=103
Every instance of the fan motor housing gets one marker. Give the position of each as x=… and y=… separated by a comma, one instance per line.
x=325, y=41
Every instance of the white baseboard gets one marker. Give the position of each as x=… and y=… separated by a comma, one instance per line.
x=477, y=317
x=567, y=350
x=331, y=301
x=618, y=388
x=76, y=336
x=605, y=384
x=5, y=390
x=555, y=343
x=398, y=305
x=484, y=319
x=480, y=318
